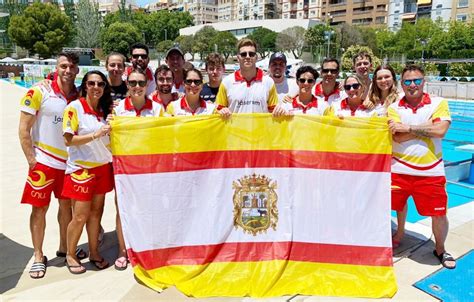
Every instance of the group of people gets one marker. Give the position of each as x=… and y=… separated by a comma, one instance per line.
x=64, y=131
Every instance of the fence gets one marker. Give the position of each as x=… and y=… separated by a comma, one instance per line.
x=453, y=90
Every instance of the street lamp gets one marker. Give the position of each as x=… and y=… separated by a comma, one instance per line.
x=327, y=35
x=423, y=44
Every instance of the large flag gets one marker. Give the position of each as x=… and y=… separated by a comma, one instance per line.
x=257, y=206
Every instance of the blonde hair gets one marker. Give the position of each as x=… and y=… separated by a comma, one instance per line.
x=375, y=94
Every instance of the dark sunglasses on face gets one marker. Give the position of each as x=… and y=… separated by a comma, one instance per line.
x=354, y=86
x=246, y=54
x=330, y=70
x=136, y=57
x=196, y=82
x=309, y=81
x=416, y=81
x=135, y=83
x=100, y=84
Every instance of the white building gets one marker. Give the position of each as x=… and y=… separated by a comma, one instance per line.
x=258, y=9
x=241, y=29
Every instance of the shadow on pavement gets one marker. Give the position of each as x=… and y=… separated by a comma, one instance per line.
x=13, y=259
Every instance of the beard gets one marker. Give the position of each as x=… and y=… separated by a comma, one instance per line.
x=164, y=90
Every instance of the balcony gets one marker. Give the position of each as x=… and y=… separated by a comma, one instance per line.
x=409, y=8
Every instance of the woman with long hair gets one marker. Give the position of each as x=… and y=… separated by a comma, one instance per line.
x=383, y=91
x=191, y=103
x=89, y=173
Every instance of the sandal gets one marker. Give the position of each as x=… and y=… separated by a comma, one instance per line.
x=78, y=272
x=444, y=257
x=80, y=254
x=100, y=263
x=38, y=268
x=121, y=263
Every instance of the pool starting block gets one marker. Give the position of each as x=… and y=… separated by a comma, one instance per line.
x=470, y=149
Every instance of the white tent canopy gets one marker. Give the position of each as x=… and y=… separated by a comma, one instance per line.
x=7, y=60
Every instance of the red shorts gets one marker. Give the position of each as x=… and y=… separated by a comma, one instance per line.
x=83, y=184
x=428, y=192
x=41, y=182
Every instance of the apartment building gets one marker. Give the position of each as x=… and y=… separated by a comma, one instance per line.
x=202, y=11
x=410, y=10
x=301, y=9
x=258, y=9
x=227, y=10
x=355, y=12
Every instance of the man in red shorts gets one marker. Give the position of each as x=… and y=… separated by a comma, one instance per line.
x=418, y=122
x=40, y=133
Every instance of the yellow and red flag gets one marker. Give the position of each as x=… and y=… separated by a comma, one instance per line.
x=257, y=206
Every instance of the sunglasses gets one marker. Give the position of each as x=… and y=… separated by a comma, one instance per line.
x=135, y=83
x=329, y=70
x=162, y=80
x=416, y=81
x=100, y=84
x=309, y=81
x=196, y=82
x=248, y=54
x=136, y=57
x=354, y=86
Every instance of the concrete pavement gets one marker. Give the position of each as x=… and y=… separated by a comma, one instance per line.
x=414, y=258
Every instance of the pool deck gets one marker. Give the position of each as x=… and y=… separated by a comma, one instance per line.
x=413, y=261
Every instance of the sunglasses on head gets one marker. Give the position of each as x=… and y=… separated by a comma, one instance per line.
x=330, y=70
x=309, y=81
x=416, y=81
x=100, y=84
x=354, y=86
x=246, y=54
x=143, y=56
x=196, y=82
x=135, y=83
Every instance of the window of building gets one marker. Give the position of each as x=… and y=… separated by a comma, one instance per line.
x=461, y=17
x=463, y=3
x=380, y=20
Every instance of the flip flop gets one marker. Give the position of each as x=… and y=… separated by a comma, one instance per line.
x=80, y=254
x=37, y=267
x=97, y=263
x=445, y=256
x=121, y=263
x=70, y=267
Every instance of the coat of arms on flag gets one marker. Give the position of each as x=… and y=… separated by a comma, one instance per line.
x=255, y=204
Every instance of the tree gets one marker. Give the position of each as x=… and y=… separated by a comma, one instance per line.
x=186, y=44
x=119, y=37
x=386, y=42
x=352, y=51
x=70, y=9
x=88, y=24
x=225, y=42
x=165, y=24
x=42, y=29
x=348, y=35
x=265, y=39
x=292, y=39
x=202, y=40
x=163, y=46
x=315, y=38
x=12, y=8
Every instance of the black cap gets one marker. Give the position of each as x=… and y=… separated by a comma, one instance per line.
x=278, y=56
x=175, y=48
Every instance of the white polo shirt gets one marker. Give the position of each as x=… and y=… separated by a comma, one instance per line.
x=81, y=119
x=335, y=96
x=317, y=106
x=421, y=156
x=181, y=107
x=150, y=108
x=242, y=96
x=342, y=108
x=47, y=135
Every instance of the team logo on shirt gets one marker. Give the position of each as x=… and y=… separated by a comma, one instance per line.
x=39, y=183
x=255, y=204
x=83, y=177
